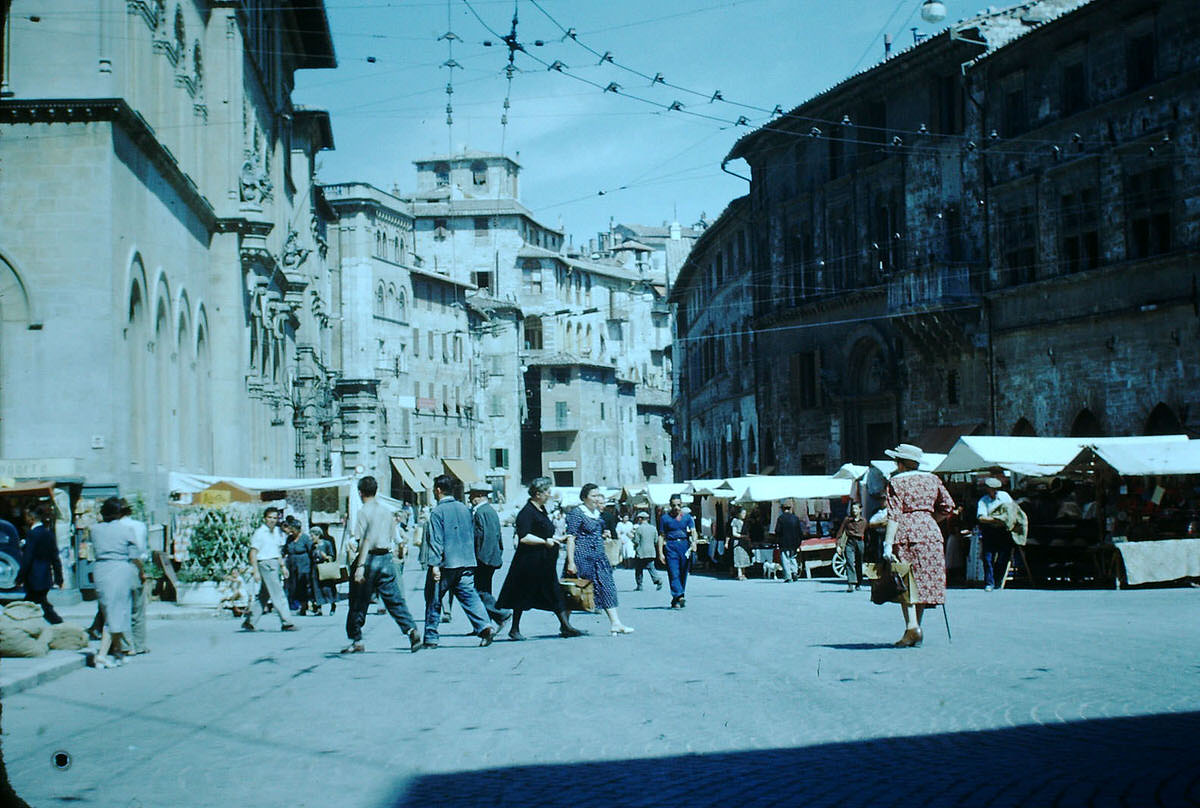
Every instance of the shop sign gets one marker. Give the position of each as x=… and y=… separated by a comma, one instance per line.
x=42, y=468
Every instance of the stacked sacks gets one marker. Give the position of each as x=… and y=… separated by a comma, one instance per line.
x=24, y=632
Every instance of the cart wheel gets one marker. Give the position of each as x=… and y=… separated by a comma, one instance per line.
x=839, y=564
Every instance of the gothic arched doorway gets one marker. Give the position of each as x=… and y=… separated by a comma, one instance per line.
x=1086, y=425
x=1163, y=421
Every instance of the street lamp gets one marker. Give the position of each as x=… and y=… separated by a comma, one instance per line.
x=309, y=398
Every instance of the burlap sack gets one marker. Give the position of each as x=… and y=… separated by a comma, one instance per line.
x=24, y=632
x=67, y=637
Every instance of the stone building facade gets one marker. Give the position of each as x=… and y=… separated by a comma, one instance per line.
x=945, y=242
x=716, y=429
x=515, y=356
x=162, y=247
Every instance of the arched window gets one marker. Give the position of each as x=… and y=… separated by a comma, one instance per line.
x=390, y=305
x=380, y=299
x=401, y=306
x=1086, y=425
x=1024, y=429
x=441, y=173
x=1163, y=421
x=479, y=173
x=533, y=333
x=587, y=341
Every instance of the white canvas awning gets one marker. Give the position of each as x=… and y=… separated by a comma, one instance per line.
x=186, y=483
x=702, y=488
x=770, y=489
x=929, y=462
x=1035, y=457
x=849, y=471
x=1143, y=458
x=661, y=493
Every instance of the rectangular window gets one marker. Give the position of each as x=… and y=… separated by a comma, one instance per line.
x=1139, y=60
x=481, y=228
x=445, y=348
x=496, y=406
x=499, y=458
x=440, y=229
x=601, y=410
x=561, y=375
x=1014, y=116
x=1074, y=88
x=1018, y=237
x=564, y=477
x=416, y=343
x=1079, y=222
x=948, y=105
x=804, y=379
x=429, y=343
x=483, y=280
x=1149, y=200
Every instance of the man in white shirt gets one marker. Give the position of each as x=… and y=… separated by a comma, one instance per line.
x=142, y=533
x=266, y=564
x=997, y=541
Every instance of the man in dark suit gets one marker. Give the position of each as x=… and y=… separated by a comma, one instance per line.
x=787, y=535
x=489, y=549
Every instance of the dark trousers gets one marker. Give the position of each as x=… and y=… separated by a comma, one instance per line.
x=47, y=609
x=677, y=553
x=460, y=581
x=483, y=585
x=379, y=577
x=854, y=560
x=997, y=549
x=640, y=564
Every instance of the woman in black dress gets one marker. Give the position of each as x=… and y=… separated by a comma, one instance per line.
x=532, y=581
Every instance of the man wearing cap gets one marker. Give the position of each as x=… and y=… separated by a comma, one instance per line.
x=266, y=566
x=644, y=539
x=997, y=541
x=373, y=571
x=787, y=536
x=676, y=543
x=489, y=549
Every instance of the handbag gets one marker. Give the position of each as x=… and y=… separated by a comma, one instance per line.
x=332, y=572
x=891, y=582
x=579, y=593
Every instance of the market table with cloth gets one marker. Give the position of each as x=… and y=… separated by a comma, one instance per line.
x=1160, y=560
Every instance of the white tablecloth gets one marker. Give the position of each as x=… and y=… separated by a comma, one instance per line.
x=1162, y=560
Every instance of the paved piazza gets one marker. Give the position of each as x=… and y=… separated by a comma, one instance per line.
x=759, y=693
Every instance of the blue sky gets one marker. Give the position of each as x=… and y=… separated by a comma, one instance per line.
x=387, y=98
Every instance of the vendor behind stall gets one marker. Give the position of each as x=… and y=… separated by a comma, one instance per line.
x=997, y=541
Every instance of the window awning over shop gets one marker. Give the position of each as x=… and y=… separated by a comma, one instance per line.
x=1035, y=457
x=1143, y=458
x=415, y=479
x=464, y=470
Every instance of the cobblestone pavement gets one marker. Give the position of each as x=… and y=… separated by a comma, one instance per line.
x=759, y=693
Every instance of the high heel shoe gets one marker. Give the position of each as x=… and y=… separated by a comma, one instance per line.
x=912, y=638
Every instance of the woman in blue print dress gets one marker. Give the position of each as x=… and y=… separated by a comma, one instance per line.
x=585, y=553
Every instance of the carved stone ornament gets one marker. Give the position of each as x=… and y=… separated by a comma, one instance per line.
x=293, y=254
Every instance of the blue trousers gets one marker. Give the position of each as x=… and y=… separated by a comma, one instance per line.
x=677, y=553
x=461, y=582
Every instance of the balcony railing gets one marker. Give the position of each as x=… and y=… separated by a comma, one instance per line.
x=560, y=423
x=937, y=287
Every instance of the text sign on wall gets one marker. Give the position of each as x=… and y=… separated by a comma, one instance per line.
x=40, y=468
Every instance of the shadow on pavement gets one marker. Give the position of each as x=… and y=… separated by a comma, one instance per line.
x=858, y=646
x=1144, y=761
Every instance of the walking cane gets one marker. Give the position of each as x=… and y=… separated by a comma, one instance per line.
x=946, y=617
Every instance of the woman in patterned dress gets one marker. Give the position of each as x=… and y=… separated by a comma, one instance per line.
x=585, y=553
x=916, y=502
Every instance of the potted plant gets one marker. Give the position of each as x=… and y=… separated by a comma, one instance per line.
x=218, y=548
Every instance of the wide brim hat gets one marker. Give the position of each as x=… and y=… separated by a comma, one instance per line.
x=906, y=451
x=479, y=487
x=642, y=515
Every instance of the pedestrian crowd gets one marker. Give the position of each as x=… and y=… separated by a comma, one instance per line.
x=461, y=550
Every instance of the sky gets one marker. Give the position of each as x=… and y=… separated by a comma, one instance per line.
x=588, y=155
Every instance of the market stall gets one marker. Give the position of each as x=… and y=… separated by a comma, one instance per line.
x=213, y=516
x=1066, y=536
x=1148, y=507
x=815, y=499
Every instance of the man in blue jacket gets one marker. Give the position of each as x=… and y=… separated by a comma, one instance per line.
x=451, y=537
